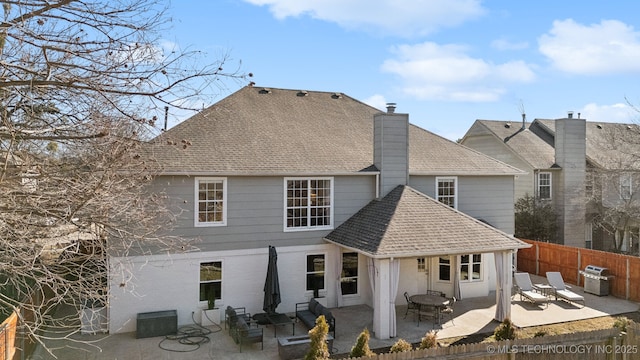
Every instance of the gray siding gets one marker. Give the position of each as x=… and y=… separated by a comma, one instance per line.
x=255, y=211
x=391, y=150
x=570, y=148
x=489, y=198
x=489, y=145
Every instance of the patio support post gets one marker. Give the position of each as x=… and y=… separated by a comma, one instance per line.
x=381, y=299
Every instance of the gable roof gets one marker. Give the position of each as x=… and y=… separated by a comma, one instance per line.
x=408, y=223
x=279, y=131
x=524, y=143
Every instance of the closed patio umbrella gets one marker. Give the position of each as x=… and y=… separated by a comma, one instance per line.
x=271, y=284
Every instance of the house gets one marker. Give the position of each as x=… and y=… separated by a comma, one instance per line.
x=360, y=205
x=586, y=170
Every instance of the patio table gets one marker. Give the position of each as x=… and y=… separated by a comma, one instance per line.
x=279, y=320
x=544, y=289
x=427, y=300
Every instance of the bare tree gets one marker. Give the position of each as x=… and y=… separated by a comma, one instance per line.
x=82, y=84
x=613, y=181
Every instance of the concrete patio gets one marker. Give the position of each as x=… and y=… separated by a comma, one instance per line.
x=471, y=316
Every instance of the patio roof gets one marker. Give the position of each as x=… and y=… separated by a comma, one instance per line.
x=408, y=223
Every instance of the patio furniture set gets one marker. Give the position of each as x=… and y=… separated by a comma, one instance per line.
x=541, y=293
x=432, y=303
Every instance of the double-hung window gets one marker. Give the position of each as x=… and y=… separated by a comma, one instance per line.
x=211, y=201
x=626, y=189
x=349, y=278
x=308, y=204
x=211, y=280
x=444, y=268
x=471, y=267
x=447, y=191
x=544, y=185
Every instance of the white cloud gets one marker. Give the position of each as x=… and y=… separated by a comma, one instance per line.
x=400, y=17
x=445, y=72
x=618, y=113
x=377, y=101
x=608, y=47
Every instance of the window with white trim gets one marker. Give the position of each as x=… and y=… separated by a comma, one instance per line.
x=444, y=268
x=544, y=185
x=210, y=280
x=315, y=272
x=422, y=265
x=308, y=204
x=349, y=278
x=626, y=189
x=447, y=191
x=471, y=267
x=211, y=202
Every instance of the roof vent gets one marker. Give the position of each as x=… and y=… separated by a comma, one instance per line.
x=302, y=93
x=570, y=114
x=599, y=126
x=507, y=125
x=336, y=96
x=391, y=108
x=265, y=91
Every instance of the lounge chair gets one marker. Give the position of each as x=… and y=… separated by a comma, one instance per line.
x=561, y=290
x=526, y=290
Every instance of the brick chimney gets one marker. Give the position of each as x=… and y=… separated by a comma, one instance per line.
x=570, y=153
x=391, y=148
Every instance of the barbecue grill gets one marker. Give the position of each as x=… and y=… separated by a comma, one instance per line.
x=596, y=280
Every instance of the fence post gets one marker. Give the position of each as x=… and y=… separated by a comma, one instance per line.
x=627, y=292
x=579, y=267
x=537, y=259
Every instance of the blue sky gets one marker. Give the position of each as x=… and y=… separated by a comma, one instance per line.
x=444, y=62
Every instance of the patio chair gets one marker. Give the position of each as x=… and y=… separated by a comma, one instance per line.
x=561, y=290
x=526, y=290
x=410, y=305
x=448, y=310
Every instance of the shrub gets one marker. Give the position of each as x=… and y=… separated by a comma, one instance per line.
x=401, y=346
x=430, y=340
x=505, y=331
x=621, y=323
x=318, y=349
x=540, y=333
x=361, y=348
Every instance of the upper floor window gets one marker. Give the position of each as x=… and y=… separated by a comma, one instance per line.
x=308, y=204
x=211, y=201
x=447, y=191
x=471, y=267
x=315, y=273
x=349, y=278
x=626, y=189
x=544, y=185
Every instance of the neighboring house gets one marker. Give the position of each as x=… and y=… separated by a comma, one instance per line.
x=588, y=171
x=360, y=205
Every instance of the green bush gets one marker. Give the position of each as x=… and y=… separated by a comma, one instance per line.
x=401, y=346
x=505, y=331
x=430, y=340
x=361, y=348
x=621, y=323
x=318, y=349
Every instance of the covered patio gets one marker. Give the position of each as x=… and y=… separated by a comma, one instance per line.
x=471, y=316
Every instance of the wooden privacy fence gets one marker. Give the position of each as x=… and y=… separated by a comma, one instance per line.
x=542, y=257
x=609, y=344
x=8, y=337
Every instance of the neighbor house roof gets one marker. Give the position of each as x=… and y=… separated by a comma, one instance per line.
x=277, y=131
x=407, y=223
x=611, y=146
x=526, y=144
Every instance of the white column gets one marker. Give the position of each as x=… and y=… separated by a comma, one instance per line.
x=381, y=299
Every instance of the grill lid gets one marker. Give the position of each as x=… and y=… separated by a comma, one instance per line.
x=596, y=270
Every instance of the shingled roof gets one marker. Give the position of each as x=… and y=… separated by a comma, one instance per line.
x=408, y=223
x=529, y=146
x=612, y=146
x=262, y=131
